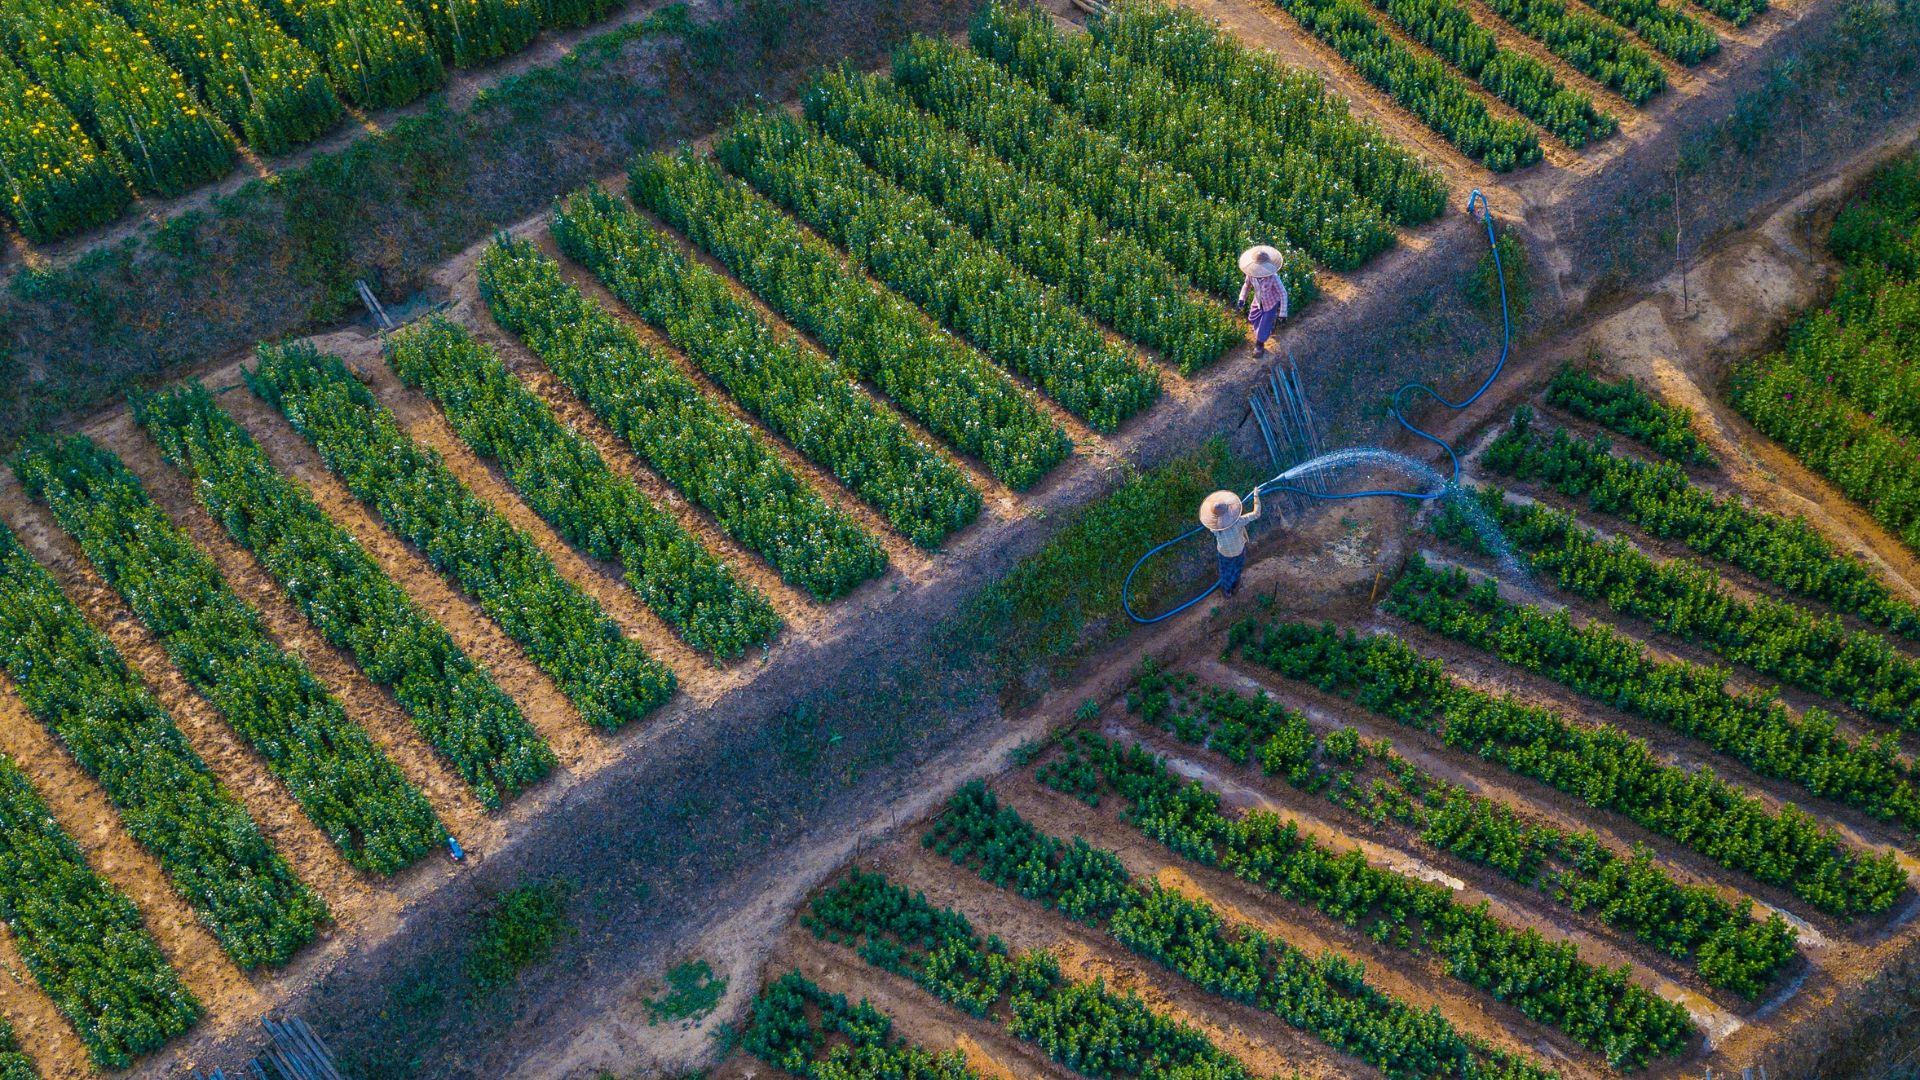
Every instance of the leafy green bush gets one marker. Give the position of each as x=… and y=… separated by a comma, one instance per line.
x=719, y=462
x=53, y=180
x=1293, y=104
x=453, y=703
x=1626, y=407
x=609, y=677
x=972, y=288
x=565, y=481
x=1298, y=196
x=1666, y=28
x=14, y=1065
x=793, y=388
x=1327, y=997
x=1592, y=45
x=692, y=991
x=1596, y=660
x=932, y=376
x=519, y=930
x=1686, y=599
x=266, y=86
x=1599, y=1007
x=1662, y=500
x=82, y=938
x=154, y=130
x=781, y=1034
x=472, y=32
x=1633, y=893
x=377, y=53
x=333, y=769
x=1157, y=205
x=74, y=682
x=1040, y=226
x=1599, y=764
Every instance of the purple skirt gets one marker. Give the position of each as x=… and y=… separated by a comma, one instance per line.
x=1262, y=322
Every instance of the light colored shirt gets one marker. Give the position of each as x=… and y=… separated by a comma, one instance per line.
x=1232, y=540
x=1269, y=294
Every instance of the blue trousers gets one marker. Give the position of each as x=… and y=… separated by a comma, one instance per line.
x=1230, y=567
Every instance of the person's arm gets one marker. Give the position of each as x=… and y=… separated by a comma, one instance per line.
x=1245, y=284
x=1255, y=512
x=1283, y=297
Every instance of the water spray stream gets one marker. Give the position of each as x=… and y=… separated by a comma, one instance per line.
x=1436, y=486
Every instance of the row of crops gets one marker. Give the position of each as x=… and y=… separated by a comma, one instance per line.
x=102, y=101
x=1221, y=806
x=981, y=254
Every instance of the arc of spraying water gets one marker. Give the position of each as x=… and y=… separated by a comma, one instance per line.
x=1339, y=458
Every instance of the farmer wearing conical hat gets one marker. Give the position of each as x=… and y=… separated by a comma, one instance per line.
x=1226, y=518
x=1268, y=294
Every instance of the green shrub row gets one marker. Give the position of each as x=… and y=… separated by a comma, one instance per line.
x=348, y=598
x=798, y=1028
x=716, y=460
x=152, y=127
x=1293, y=104
x=1600, y=1008
x=82, y=939
x=472, y=32
x=1155, y=204
x=1626, y=408
x=1661, y=499
x=376, y=52
x=1420, y=84
x=1666, y=28
x=1082, y=1025
x=972, y=288
x=1591, y=45
x=1041, y=227
x=1753, y=727
x=14, y=1065
x=1600, y=765
x=1688, y=600
x=803, y=395
x=934, y=377
x=1632, y=892
x=566, y=481
x=75, y=683
x=1531, y=87
x=1326, y=996
x=610, y=678
x=339, y=776
x=53, y=180
x=1299, y=197
x=268, y=88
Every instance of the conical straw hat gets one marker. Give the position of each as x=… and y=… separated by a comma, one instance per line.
x=1220, y=511
x=1250, y=265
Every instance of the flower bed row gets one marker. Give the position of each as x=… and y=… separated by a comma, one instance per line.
x=565, y=480
x=1325, y=996
x=53, y=180
x=1596, y=660
x=214, y=855
x=934, y=377
x=794, y=389
x=792, y=1024
x=1157, y=205
x=1626, y=408
x=1531, y=87
x=1662, y=500
x=1042, y=227
x=339, y=776
x=610, y=678
x=1665, y=27
x=349, y=599
x=1601, y=1008
x=1599, y=765
x=1293, y=104
x=1633, y=892
x=716, y=460
x=1420, y=84
x=1591, y=45
x=153, y=129
x=913, y=248
x=1297, y=195
x=1779, y=639
x=1082, y=1025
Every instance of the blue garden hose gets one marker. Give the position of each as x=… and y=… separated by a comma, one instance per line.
x=1394, y=409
